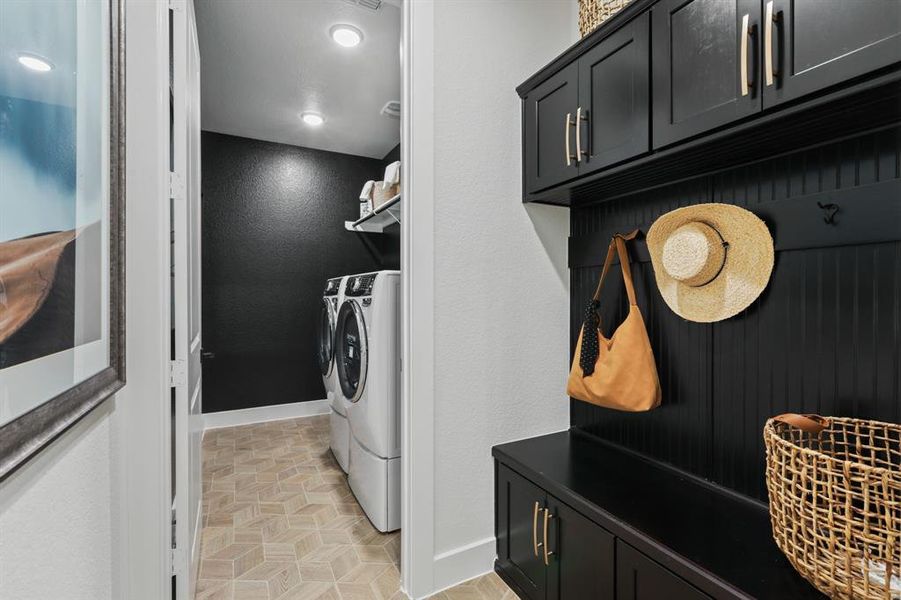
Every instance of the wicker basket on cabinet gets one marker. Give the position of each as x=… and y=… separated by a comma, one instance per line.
x=835, y=502
x=594, y=12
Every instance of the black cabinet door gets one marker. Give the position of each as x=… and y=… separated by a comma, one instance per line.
x=614, y=98
x=812, y=44
x=581, y=556
x=549, y=114
x=520, y=511
x=640, y=578
x=697, y=63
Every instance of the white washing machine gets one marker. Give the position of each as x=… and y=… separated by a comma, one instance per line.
x=367, y=354
x=332, y=298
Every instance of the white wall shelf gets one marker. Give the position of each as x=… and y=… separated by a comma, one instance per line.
x=387, y=214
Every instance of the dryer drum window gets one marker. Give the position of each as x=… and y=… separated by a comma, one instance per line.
x=351, y=350
x=325, y=351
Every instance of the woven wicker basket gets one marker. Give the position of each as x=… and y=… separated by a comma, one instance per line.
x=835, y=502
x=381, y=196
x=594, y=12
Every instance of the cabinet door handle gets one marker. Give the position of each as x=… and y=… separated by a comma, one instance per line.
x=579, y=134
x=769, y=67
x=569, y=156
x=581, y=116
x=746, y=32
x=535, y=542
x=547, y=553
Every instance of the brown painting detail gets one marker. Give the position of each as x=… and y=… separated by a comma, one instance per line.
x=38, y=293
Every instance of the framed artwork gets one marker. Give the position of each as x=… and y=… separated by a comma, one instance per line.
x=62, y=231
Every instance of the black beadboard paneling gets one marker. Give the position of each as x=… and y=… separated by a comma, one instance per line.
x=825, y=336
x=272, y=233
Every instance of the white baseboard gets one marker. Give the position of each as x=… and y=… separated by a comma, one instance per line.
x=262, y=414
x=463, y=563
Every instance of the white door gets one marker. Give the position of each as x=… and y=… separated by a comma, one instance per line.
x=186, y=373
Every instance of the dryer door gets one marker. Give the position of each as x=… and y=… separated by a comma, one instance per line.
x=325, y=349
x=351, y=350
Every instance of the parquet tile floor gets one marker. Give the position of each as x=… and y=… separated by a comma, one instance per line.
x=280, y=523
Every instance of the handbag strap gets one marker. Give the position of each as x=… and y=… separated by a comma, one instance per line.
x=618, y=245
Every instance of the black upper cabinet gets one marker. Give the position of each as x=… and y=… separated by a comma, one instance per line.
x=613, y=98
x=591, y=114
x=549, y=119
x=810, y=45
x=701, y=50
x=520, y=512
x=661, y=76
x=581, y=559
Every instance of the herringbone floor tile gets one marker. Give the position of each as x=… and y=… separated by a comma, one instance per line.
x=280, y=523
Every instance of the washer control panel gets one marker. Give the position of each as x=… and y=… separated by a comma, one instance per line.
x=360, y=285
x=332, y=287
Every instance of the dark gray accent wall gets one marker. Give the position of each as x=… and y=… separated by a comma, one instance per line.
x=272, y=233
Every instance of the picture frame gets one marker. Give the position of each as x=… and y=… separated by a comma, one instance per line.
x=25, y=435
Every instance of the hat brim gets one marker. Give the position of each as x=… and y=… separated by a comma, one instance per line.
x=746, y=271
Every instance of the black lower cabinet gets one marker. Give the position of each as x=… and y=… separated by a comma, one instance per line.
x=547, y=550
x=580, y=564
x=579, y=519
x=640, y=578
x=520, y=512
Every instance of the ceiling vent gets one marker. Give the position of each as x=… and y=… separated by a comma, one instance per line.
x=370, y=4
x=391, y=109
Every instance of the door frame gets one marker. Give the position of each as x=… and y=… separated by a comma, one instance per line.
x=186, y=377
x=141, y=455
x=417, y=301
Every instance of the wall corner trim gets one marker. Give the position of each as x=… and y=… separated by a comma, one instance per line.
x=263, y=414
x=463, y=563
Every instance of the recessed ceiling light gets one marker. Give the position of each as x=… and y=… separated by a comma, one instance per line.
x=34, y=62
x=346, y=35
x=311, y=118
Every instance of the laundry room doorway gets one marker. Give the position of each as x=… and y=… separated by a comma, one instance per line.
x=300, y=225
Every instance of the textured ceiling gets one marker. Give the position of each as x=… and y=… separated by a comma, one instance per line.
x=263, y=63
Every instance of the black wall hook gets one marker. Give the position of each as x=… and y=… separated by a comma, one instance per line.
x=829, y=211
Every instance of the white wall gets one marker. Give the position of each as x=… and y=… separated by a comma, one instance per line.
x=57, y=517
x=500, y=280
x=87, y=518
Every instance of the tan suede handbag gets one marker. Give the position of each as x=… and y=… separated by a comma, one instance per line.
x=619, y=372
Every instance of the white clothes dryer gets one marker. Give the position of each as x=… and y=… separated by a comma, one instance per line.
x=367, y=354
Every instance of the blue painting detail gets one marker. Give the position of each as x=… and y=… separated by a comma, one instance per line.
x=37, y=154
x=50, y=237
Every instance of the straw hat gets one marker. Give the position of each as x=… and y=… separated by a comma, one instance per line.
x=711, y=261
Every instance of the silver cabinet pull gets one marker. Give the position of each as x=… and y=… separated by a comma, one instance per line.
x=579, y=134
x=746, y=33
x=568, y=124
x=768, y=19
x=535, y=543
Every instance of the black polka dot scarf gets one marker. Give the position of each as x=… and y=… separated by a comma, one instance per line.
x=588, y=354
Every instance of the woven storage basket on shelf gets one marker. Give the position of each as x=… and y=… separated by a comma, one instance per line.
x=835, y=502
x=381, y=196
x=594, y=12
